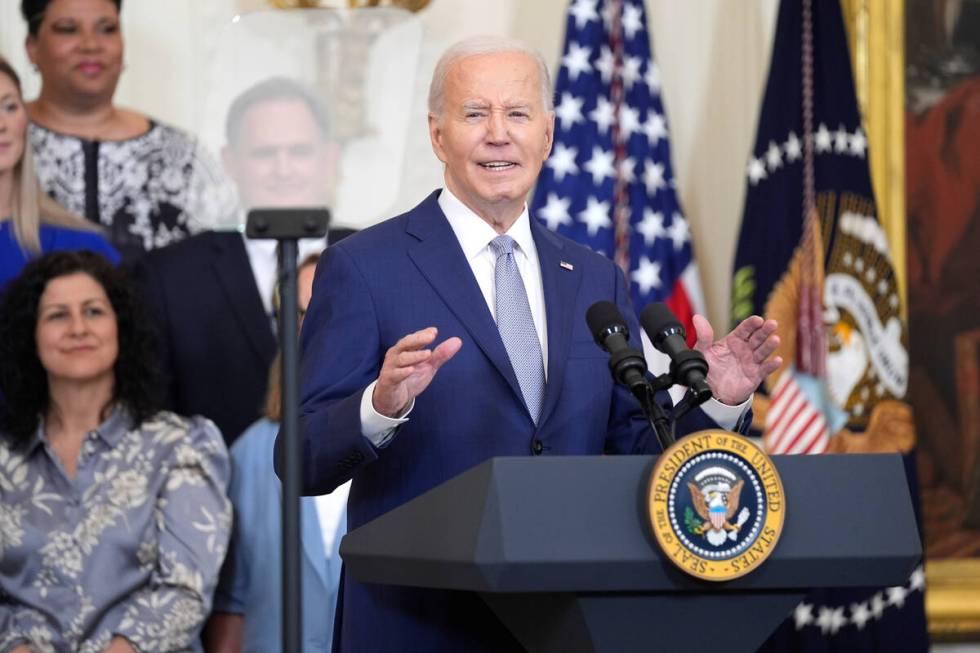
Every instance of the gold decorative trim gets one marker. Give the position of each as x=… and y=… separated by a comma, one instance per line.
x=294, y=4
x=953, y=599
x=410, y=5
x=876, y=32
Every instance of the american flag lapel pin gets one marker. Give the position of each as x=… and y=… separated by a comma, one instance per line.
x=566, y=265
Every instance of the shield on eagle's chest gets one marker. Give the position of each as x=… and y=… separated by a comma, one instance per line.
x=717, y=516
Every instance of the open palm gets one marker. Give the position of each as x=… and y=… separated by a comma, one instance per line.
x=740, y=361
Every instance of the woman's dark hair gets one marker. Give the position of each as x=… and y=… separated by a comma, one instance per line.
x=33, y=12
x=23, y=381
x=9, y=71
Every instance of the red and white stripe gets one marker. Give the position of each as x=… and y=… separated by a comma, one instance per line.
x=686, y=299
x=793, y=423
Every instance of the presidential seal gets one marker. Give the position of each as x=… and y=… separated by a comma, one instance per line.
x=716, y=505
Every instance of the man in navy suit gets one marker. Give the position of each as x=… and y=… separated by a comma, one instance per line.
x=516, y=371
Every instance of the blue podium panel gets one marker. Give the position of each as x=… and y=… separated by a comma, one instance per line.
x=624, y=622
x=561, y=550
x=579, y=524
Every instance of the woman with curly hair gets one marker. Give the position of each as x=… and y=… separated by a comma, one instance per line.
x=114, y=518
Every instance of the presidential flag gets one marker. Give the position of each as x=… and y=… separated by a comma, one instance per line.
x=813, y=255
x=608, y=182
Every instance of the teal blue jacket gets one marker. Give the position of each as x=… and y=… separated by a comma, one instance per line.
x=251, y=579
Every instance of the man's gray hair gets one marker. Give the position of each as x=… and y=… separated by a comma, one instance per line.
x=478, y=45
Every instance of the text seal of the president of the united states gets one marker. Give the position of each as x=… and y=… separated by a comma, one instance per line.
x=716, y=505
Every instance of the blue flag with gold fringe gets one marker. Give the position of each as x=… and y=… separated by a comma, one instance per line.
x=812, y=254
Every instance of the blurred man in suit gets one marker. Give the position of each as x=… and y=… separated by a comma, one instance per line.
x=213, y=293
x=518, y=372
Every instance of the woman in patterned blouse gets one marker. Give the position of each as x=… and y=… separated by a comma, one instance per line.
x=114, y=518
x=147, y=183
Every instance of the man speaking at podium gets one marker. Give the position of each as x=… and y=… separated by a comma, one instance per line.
x=456, y=332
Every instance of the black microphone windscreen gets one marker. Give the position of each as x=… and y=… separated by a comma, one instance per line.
x=656, y=318
x=601, y=316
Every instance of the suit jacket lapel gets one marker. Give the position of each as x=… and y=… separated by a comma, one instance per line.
x=234, y=273
x=560, y=289
x=440, y=259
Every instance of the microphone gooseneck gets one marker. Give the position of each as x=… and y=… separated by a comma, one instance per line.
x=687, y=367
x=627, y=364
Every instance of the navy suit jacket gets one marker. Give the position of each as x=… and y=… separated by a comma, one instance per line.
x=218, y=340
x=406, y=274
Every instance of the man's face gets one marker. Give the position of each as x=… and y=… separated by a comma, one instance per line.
x=493, y=133
x=281, y=157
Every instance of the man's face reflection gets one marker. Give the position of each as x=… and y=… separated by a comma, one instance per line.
x=281, y=157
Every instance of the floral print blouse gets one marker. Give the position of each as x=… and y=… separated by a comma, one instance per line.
x=147, y=191
x=131, y=547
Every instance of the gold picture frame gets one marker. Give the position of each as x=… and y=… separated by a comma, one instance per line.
x=953, y=599
x=876, y=31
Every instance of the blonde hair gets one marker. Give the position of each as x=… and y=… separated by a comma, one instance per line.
x=273, y=397
x=31, y=206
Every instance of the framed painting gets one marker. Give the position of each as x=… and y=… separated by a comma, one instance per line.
x=942, y=138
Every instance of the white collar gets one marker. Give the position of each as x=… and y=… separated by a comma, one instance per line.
x=473, y=232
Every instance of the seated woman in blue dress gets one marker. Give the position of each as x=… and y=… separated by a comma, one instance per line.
x=31, y=223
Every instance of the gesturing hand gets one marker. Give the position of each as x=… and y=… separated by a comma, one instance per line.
x=738, y=363
x=408, y=369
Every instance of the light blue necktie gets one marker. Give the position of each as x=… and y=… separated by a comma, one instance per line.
x=516, y=325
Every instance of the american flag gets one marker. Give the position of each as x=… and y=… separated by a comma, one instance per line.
x=795, y=422
x=608, y=183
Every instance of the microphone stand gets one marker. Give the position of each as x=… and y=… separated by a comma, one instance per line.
x=662, y=425
x=287, y=226
x=629, y=368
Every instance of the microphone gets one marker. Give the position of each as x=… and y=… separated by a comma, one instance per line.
x=687, y=367
x=627, y=365
x=609, y=329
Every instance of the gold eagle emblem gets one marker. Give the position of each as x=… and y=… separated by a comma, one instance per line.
x=716, y=499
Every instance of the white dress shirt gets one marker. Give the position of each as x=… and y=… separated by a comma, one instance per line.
x=329, y=509
x=264, y=263
x=474, y=236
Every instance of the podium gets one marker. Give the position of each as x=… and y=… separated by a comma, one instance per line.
x=561, y=550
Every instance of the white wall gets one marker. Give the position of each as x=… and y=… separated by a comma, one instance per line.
x=713, y=54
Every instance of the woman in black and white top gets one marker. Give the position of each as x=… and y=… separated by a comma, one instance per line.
x=148, y=184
